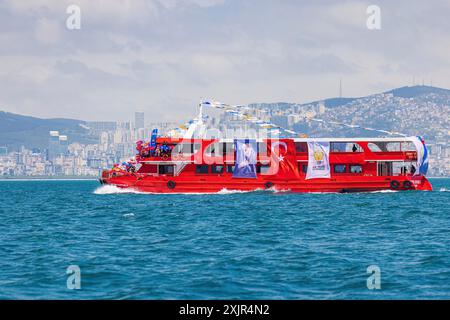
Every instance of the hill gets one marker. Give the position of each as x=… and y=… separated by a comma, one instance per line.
x=416, y=91
x=31, y=132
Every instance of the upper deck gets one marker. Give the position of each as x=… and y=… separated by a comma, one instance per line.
x=358, y=150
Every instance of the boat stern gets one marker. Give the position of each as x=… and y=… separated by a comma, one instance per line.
x=422, y=183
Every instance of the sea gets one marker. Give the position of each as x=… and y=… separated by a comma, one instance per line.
x=80, y=240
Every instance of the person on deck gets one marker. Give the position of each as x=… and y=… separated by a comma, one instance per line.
x=404, y=170
x=139, y=146
x=165, y=148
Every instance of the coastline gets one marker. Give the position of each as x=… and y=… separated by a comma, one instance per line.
x=89, y=178
x=26, y=178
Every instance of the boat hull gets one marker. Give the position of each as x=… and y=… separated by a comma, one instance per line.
x=168, y=184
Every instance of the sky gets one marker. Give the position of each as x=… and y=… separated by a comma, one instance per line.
x=163, y=56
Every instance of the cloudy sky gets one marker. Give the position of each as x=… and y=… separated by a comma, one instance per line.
x=162, y=56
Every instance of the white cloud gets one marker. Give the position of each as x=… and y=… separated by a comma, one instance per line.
x=163, y=55
x=47, y=31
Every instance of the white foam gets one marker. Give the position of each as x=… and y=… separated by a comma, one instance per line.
x=127, y=215
x=112, y=189
x=226, y=191
x=383, y=191
x=444, y=190
x=275, y=190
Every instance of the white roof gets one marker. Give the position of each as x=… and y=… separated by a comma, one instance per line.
x=362, y=139
x=394, y=139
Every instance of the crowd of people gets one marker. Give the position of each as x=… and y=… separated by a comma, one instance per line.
x=129, y=166
x=145, y=149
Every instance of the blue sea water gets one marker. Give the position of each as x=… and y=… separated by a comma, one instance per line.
x=258, y=245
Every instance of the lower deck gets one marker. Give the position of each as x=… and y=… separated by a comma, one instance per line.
x=217, y=183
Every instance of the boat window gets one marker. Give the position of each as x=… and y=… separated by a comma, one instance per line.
x=230, y=169
x=402, y=167
x=217, y=169
x=340, y=168
x=355, y=168
x=384, y=146
x=228, y=148
x=186, y=148
x=301, y=147
x=384, y=168
x=393, y=146
x=408, y=146
x=165, y=169
x=201, y=168
x=374, y=147
x=214, y=149
x=262, y=169
x=302, y=167
x=262, y=148
x=345, y=147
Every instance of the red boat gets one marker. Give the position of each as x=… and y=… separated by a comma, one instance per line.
x=292, y=165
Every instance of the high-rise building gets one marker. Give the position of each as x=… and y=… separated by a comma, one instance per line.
x=57, y=145
x=63, y=144
x=139, y=122
x=53, y=145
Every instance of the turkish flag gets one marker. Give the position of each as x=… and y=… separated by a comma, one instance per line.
x=283, y=162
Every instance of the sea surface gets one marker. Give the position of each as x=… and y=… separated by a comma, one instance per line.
x=257, y=245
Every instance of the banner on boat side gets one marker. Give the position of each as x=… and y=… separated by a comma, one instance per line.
x=283, y=161
x=318, y=160
x=245, y=165
x=422, y=156
x=153, y=138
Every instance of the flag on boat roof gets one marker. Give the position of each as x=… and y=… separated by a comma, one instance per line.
x=153, y=138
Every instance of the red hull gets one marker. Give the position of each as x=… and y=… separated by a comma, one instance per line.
x=169, y=184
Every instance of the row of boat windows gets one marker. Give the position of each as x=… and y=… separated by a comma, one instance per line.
x=219, y=169
x=224, y=148
x=337, y=168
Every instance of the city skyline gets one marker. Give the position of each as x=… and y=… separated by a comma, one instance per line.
x=161, y=57
x=114, y=142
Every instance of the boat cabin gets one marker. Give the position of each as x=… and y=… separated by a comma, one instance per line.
x=347, y=157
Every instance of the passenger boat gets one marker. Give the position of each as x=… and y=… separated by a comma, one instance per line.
x=291, y=164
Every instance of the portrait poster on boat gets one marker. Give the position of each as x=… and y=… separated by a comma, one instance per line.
x=318, y=160
x=245, y=166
